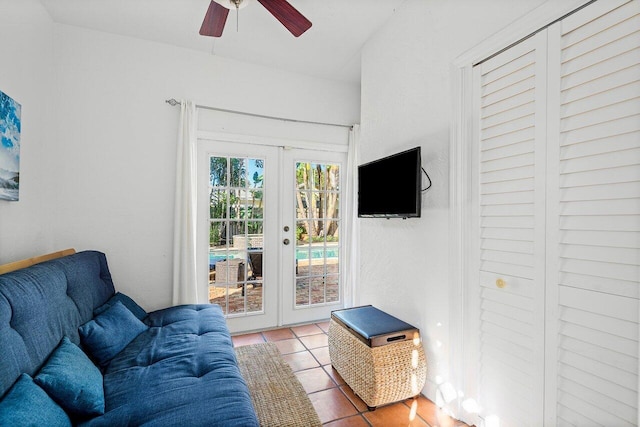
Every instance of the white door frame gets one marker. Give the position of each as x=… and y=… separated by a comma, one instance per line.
x=460, y=218
x=268, y=316
x=208, y=137
x=292, y=314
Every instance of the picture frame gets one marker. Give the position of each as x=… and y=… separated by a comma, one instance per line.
x=10, y=127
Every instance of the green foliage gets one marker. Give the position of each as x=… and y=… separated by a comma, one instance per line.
x=234, y=197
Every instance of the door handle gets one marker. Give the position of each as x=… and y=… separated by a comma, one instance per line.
x=286, y=241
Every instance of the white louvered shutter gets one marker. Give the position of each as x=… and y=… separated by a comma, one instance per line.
x=557, y=202
x=510, y=91
x=594, y=217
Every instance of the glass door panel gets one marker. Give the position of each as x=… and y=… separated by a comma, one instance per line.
x=235, y=240
x=315, y=257
x=241, y=182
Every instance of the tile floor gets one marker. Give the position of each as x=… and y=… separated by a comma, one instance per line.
x=306, y=350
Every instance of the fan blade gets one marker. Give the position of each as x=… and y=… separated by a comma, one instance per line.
x=293, y=20
x=214, y=20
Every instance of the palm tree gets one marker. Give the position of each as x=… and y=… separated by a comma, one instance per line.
x=317, y=197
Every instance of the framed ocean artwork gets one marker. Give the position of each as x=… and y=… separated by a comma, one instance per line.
x=9, y=148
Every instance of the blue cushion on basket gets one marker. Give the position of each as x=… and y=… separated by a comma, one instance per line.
x=26, y=404
x=369, y=321
x=110, y=332
x=73, y=380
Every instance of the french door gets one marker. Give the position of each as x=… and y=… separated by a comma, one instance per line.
x=269, y=225
x=312, y=223
x=237, y=243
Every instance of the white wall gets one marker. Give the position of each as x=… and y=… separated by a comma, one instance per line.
x=116, y=141
x=406, y=102
x=98, y=158
x=25, y=70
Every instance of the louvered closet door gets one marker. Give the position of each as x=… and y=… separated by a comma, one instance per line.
x=510, y=95
x=594, y=218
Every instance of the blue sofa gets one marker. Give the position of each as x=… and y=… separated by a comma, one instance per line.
x=170, y=367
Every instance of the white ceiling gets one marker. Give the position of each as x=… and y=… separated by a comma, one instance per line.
x=329, y=49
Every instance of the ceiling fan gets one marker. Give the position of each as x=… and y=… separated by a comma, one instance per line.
x=216, y=16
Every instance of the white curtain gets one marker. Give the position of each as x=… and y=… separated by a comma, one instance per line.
x=352, y=229
x=185, y=288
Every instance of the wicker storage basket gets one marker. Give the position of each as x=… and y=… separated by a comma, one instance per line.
x=378, y=375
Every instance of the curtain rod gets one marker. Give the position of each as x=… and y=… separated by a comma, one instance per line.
x=173, y=103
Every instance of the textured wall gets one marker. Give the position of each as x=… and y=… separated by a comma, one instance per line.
x=99, y=141
x=25, y=75
x=406, y=102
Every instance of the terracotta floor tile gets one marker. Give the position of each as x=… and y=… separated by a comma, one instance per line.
x=300, y=361
x=315, y=379
x=428, y=411
x=278, y=334
x=357, y=402
x=240, y=340
x=339, y=407
x=289, y=346
x=354, y=421
x=322, y=355
x=396, y=414
x=315, y=341
x=334, y=374
x=331, y=405
x=305, y=330
x=324, y=326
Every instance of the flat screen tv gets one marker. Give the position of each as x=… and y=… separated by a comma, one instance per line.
x=391, y=187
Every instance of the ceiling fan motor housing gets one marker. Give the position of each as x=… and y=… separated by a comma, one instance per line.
x=233, y=4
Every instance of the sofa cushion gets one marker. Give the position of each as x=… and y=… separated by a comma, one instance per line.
x=26, y=404
x=127, y=301
x=29, y=328
x=73, y=381
x=181, y=371
x=108, y=333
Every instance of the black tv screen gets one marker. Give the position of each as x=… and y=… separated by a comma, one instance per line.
x=391, y=187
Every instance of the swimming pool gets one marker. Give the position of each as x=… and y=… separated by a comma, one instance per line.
x=317, y=252
x=302, y=253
